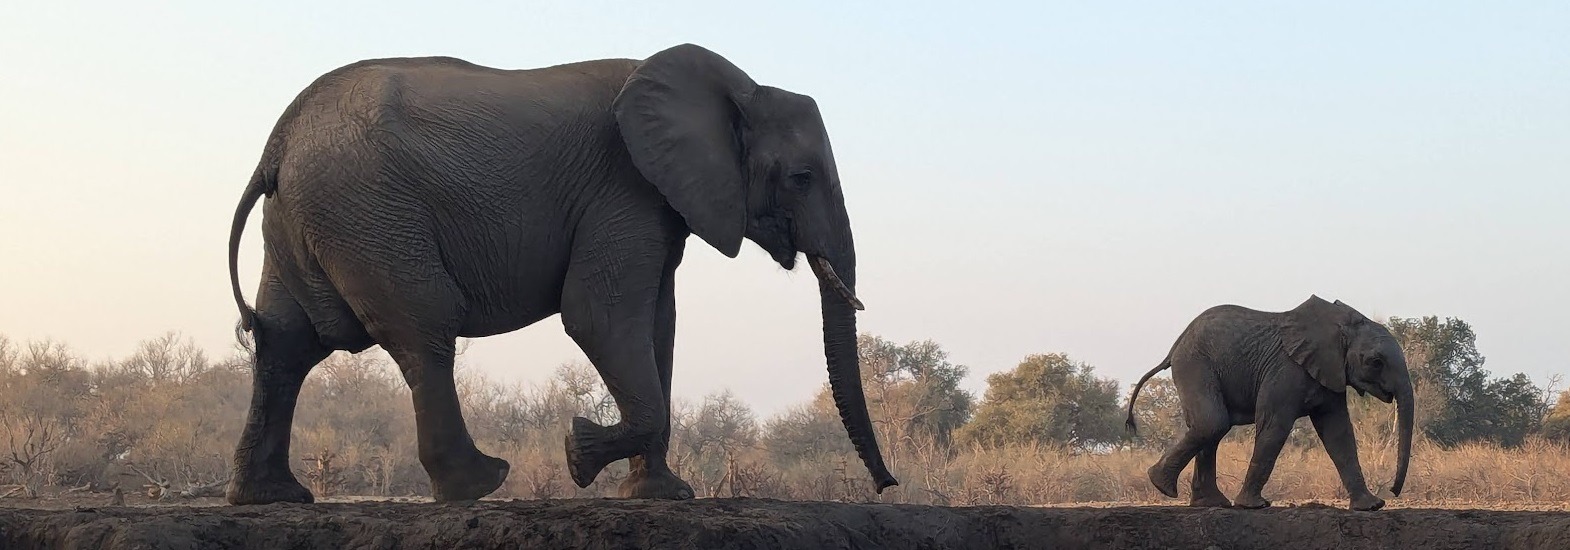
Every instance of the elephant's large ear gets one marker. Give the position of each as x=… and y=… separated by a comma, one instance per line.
x=680, y=117
x=1312, y=336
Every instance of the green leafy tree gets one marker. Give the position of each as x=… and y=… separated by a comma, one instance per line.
x=915, y=387
x=913, y=394
x=1471, y=406
x=806, y=433
x=1047, y=399
x=1159, y=414
x=1556, y=424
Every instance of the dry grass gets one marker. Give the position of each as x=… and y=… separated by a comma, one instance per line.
x=1535, y=476
x=1537, y=472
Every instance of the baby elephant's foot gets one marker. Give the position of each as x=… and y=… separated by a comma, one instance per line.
x=1210, y=501
x=1165, y=481
x=1367, y=503
x=1251, y=502
x=660, y=484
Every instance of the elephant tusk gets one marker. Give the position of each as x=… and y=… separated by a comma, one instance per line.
x=826, y=271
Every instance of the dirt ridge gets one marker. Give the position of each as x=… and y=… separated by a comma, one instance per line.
x=762, y=523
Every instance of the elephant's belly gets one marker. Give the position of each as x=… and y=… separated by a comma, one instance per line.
x=479, y=328
x=510, y=301
x=1240, y=404
x=510, y=274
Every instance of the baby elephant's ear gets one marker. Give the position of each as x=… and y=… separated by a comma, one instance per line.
x=1312, y=337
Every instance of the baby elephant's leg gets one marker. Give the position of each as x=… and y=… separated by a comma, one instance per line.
x=1334, y=425
x=1205, y=492
x=1207, y=424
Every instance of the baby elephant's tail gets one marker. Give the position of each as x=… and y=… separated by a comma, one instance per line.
x=1165, y=364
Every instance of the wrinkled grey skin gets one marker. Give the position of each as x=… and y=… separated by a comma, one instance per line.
x=1235, y=366
x=414, y=201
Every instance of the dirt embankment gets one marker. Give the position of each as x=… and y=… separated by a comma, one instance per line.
x=750, y=523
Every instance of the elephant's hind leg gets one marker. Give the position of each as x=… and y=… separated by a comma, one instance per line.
x=1208, y=422
x=417, y=323
x=286, y=350
x=1205, y=493
x=458, y=470
x=398, y=287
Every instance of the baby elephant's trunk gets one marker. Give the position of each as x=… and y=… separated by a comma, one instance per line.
x=1404, y=427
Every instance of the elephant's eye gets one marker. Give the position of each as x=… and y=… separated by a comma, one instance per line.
x=801, y=179
x=1376, y=363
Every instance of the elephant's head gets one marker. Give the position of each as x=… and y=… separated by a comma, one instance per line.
x=736, y=160
x=1340, y=347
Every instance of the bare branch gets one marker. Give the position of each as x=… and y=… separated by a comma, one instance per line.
x=213, y=489
x=156, y=488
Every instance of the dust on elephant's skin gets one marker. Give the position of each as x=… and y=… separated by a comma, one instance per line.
x=1234, y=366
x=413, y=201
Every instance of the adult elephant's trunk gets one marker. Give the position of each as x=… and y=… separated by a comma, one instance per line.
x=836, y=289
x=1404, y=432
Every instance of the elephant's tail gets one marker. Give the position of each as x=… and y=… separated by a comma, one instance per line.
x=263, y=182
x=1166, y=363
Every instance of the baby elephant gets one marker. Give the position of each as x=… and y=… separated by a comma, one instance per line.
x=1234, y=366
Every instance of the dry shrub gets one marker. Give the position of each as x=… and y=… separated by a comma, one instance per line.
x=1047, y=475
x=537, y=473
x=177, y=416
x=1538, y=471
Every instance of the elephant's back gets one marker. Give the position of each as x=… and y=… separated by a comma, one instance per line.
x=1226, y=331
x=1224, y=318
x=431, y=81
x=416, y=91
x=487, y=165
x=451, y=128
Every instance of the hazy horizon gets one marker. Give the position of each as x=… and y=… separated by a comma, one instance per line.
x=1021, y=178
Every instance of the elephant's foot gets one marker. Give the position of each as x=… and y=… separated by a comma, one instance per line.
x=253, y=489
x=590, y=448
x=660, y=484
x=1165, y=481
x=1367, y=502
x=1209, y=501
x=469, y=479
x=1251, y=502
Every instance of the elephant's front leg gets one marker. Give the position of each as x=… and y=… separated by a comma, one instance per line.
x=1271, y=431
x=650, y=475
x=1334, y=426
x=609, y=307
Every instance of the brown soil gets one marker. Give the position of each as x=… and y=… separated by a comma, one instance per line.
x=753, y=523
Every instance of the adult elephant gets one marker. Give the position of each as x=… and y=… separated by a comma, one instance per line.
x=1238, y=366
x=414, y=201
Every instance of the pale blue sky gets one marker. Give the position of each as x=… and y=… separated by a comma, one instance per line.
x=1022, y=177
